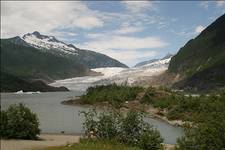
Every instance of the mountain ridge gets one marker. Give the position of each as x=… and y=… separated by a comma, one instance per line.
x=44, y=42
x=197, y=60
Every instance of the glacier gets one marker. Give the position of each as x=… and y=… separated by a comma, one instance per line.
x=118, y=75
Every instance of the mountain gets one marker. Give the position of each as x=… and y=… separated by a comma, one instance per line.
x=10, y=83
x=201, y=61
x=152, y=61
x=88, y=58
x=145, y=62
x=20, y=59
x=36, y=56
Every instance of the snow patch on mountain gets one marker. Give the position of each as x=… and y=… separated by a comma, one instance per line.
x=39, y=41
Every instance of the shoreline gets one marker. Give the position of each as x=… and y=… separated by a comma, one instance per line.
x=148, y=109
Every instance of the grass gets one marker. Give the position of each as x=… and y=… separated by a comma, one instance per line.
x=86, y=144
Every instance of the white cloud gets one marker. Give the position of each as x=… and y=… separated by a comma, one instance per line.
x=19, y=17
x=50, y=18
x=138, y=6
x=128, y=29
x=124, y=48
x=123, y=30
x=220, y=3
x=204, y=4
x=87, y=22
x=130, y=57
x=199, y=29
x=124, y=43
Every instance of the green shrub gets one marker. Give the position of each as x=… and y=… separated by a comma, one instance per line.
x=19, y=122
x=149, y=95
x=208, y=132
x=3, y=125
x=90, y=123
x=150, y=140
x=107, y=125
x=129, y=129
x=114, y=94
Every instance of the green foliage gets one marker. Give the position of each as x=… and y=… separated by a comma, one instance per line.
x=208, y=132
x=129, y=129
x=3, y=125
x=102, y=125
x=108, y=125
x=162, y=97
x=180, y=106
x=150, y=140
x=90, y=124
x=149, y=95
x=19, y=122
x=114, y=94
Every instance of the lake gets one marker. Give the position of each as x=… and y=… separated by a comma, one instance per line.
x=55, y=117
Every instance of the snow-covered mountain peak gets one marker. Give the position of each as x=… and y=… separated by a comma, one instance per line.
x=155, y=62
x=168, y=56
x=48, y=42
x=158, y=63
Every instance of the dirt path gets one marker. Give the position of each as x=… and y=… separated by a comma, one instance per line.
x=48, y=141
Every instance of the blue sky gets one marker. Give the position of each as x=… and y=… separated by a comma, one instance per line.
x=130, y=31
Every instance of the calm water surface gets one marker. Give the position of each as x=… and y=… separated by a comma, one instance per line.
x=55, y=117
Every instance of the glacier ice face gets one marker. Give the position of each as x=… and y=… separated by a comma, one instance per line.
x=116, y=75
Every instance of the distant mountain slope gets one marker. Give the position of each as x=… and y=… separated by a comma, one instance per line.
x=145, y=62
x=97, y=60
x=206, y=50
x=209, y=79
x=200, y=57
x=10, y=83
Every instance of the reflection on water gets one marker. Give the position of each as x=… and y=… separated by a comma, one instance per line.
x=55, y=117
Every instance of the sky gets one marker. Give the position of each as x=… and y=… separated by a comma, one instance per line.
x=129, y=31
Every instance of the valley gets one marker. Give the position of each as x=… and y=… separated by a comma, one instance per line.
x=113, y=76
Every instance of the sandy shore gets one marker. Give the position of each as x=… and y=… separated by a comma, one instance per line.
x=48, y=140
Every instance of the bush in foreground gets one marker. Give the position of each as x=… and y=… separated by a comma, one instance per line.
x=19, y=122
x=208, y=132
x=129, y=129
